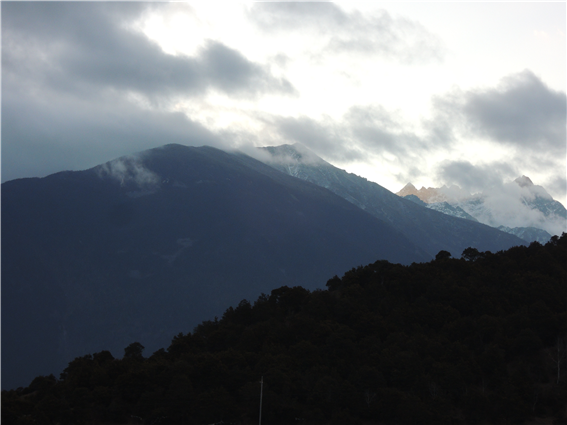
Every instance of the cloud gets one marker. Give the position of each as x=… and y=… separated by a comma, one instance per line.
x=557, y=184
x=324, y=137
x=129, y=169
x=502, y=201
x=230, y=71
x=363, y=133
x=352, y=33
x=521, y=112
x=88, y=46
x=374, y=133
x=475, y=178
x=45, y=135
x=80, y=86
x=509, y=205
x=521, y=116
x=381, y=131
x=504, y=205
x=288, y=15
x=288, y=155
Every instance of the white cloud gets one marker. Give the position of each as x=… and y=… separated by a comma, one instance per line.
x=129, y=169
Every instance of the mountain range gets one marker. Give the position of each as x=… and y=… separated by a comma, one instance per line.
x=149, y=245
x=519, y=207
x=431, y=230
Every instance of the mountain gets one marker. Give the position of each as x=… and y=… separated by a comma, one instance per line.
x=429, y=195
x=431, y=230
x=415, y=199
x=540, y=200
x=529, y=234
x=518, y=207
x=146, y=246
x=444, y=207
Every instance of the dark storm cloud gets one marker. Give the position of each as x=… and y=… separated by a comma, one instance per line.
x=522, y=112
x=89, y=44
x=377, y=34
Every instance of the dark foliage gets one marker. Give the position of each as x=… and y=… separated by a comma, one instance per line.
x=481, y=339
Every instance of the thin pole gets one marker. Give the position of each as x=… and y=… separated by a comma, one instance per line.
x=261, y=391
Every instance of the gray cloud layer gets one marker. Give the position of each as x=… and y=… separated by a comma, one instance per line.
x=42, y=136
x=77, y=79
x=522, y=112
x=85, y=43
x=393, y=38
x=475, y=178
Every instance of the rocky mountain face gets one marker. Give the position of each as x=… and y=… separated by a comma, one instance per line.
x=519, y=207
x=431, y=230
x=529, y=234
x=428, y=195
x=147, y=246
x=443, y=207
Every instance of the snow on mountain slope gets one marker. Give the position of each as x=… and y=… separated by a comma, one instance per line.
x=529, y=234
x=428, y=229
x=515, y=205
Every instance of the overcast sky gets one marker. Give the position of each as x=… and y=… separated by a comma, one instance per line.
x=429, y=93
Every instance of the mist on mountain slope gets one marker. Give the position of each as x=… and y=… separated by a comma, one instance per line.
x=518, y=203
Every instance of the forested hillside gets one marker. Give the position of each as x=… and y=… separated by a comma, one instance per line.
x=478, y=339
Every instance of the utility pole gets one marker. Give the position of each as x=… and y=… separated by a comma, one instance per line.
x=261, y=391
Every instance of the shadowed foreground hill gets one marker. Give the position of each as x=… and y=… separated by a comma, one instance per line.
x=481, y=339
x=146, y=246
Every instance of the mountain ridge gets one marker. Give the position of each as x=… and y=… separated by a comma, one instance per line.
x=147, y=245
x=432, y=230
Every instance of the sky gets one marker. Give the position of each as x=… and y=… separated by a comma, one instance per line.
x=471, y=94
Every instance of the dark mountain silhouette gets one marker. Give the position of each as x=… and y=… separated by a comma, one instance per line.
x=431, y=230
x=146, y=246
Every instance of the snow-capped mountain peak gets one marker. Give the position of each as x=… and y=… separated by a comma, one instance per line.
x=408, y=189
x=293, y=154
x=428, y=195
x=524, y=181
x=513, y=206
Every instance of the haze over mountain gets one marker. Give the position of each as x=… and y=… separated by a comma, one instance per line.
x=519, y=207
x=431, y=230
x=149, y=245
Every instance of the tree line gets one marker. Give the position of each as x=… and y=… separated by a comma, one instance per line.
x=477, y=339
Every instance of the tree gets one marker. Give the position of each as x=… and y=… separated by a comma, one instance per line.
x=471, y=254
x=443, y=255
x=134, y=351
